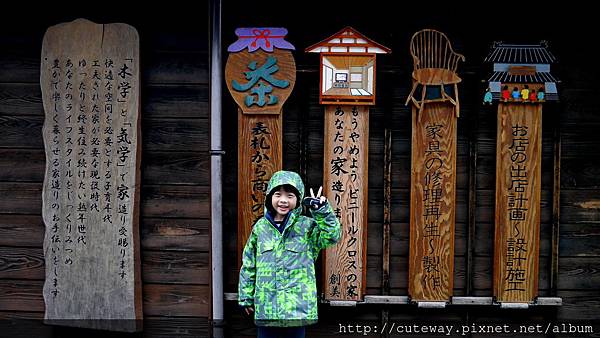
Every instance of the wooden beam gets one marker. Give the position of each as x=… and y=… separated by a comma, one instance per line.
x=345, y=183
x=518, y=189
x=432, y=203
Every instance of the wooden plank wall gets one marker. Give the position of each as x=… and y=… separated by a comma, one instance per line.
x=174, y=221
x=175, y=177
x=579, y=261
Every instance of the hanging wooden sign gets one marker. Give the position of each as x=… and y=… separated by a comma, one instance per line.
x=434, y=99
x=90, y=90
x=347, y=85
x=260, y=75
x=521, y=83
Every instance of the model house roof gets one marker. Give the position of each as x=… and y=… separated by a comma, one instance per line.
x=538, y=77
x=348, y=40
x=520, y=54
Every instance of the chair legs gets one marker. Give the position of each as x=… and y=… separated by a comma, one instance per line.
x=444, y=97
x=410, y=96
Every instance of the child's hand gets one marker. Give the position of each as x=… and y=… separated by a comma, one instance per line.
x=249, y=310
x=315, y=201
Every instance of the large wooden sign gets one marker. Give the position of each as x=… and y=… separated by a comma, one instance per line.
x=432, y=203
x=435, y=108
x=346, y=156
x=90, y=89
x=260, y=75
x=518, y=180
x=347, y=87
x=521, y=83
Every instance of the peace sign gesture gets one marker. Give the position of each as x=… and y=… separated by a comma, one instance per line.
x=318, y=200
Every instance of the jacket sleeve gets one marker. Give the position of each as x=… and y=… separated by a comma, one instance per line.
x=248, y=272
x=327, y=230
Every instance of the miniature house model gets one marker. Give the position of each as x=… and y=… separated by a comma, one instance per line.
x=347, y=67
x=519, y=67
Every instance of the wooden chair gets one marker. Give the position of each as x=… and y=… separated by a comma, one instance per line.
x=435, y=64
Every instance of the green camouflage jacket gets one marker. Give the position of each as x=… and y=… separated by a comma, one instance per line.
x=278, y=272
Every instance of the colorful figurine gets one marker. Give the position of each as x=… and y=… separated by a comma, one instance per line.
x=505, y=93
x=532, y=96
x=525, y=93
x=487, y=98
x=516, y=95
x=541, y=95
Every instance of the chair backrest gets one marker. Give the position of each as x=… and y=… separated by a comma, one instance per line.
x=432, y=49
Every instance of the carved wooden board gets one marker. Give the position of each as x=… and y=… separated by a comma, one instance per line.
x=90, y=89
x=518, y=189
x=346, y=186
x=260, y=82
x=259, y=157
x=432, y=203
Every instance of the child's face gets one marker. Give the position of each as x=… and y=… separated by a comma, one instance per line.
x=283, y=202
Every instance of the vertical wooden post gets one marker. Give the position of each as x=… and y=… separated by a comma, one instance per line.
x=347, y=88
x=521, y=82
x=432, y=203
x=345, y=184
x=518, y=191
x=433, y=175
x=555, y=206
x=259, y=156
x=260, y=75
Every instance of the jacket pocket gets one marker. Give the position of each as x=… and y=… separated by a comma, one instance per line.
x=297, y=255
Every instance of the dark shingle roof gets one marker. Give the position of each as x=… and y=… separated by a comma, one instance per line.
x=539, y=77
x=530, y=54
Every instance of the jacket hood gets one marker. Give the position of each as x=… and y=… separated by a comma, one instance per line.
x=285, y=177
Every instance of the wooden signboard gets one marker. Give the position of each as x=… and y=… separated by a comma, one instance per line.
x=521, y=83
x=345, y=185
x=347, y=87
x=518, y=189
x=433, y=176
x=432, y=203
x=260, y=75
x=259, y=157
x=90, y=89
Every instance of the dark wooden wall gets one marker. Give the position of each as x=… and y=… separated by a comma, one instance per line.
x=175, y=175
x=472, y=35
x=175, y=163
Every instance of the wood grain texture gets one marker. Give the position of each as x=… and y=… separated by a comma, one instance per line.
x=90, y=89
x=345, y=184
x=518, y=195
x=432, y=203
x=238, y=66
x=259, y=157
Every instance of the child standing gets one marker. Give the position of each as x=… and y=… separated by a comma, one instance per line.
x=277, y=278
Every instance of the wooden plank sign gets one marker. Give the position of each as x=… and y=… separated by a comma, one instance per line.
x=435, y=109
x=345, y=185
x=518, y=189
x=259, y=157
x=260, y=75
x=432, y=203
x=347, y=87
x=521, y=83
x=90, y=90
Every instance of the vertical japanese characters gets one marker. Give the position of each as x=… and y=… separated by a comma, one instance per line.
x=90, y=193
x=260, y=74
x=344, y=187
